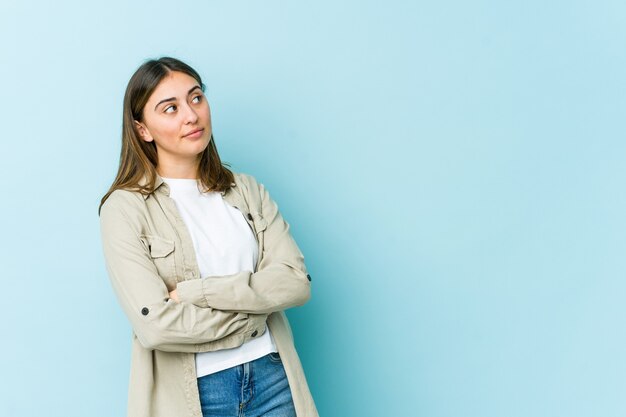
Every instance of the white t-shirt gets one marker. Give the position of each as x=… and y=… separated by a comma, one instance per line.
x=224, y=244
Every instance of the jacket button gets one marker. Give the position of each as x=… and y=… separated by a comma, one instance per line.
x=308, y=277
x=145, y=311
x=254, y=333
x=250, y=216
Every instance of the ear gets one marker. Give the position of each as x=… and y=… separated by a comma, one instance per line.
x=143, y=131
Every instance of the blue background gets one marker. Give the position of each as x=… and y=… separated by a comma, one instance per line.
x=453, y=172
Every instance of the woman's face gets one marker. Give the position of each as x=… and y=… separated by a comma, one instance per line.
x=177, y=118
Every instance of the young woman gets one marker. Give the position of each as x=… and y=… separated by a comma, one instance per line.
x=202, y=263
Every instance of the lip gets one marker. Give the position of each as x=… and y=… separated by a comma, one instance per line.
x=194, y=134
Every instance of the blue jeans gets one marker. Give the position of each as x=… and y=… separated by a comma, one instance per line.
x=253, y=389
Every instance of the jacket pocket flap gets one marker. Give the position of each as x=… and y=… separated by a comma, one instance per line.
x=159, y=247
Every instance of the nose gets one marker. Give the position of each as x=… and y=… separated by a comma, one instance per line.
x=190, y=115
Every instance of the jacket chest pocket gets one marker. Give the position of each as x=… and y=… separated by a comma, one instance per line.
x=162, y=254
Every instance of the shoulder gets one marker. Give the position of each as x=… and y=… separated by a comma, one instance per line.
x=247, y=180
x=123, y=201
x=247, y=184
x=124, y=198
x=251, y=190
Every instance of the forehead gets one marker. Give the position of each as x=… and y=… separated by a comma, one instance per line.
x=175, y=84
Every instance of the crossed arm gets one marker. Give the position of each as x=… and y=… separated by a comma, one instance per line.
x=200, y=311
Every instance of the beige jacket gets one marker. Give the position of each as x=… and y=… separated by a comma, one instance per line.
x=149, y=252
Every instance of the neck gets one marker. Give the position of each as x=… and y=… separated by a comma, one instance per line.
x=178, y=170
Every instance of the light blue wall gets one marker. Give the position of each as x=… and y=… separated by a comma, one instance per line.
x=453, y=171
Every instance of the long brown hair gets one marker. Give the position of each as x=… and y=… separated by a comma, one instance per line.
x=138, y=158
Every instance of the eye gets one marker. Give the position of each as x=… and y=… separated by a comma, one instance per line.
x=197, y=99
x=170, y=109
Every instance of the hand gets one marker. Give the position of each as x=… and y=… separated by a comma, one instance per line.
x=174, y=296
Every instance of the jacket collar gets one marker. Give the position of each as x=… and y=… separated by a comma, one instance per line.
x=161, y=186
x=158, y=184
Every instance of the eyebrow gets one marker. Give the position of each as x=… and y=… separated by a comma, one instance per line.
x=191, y=90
